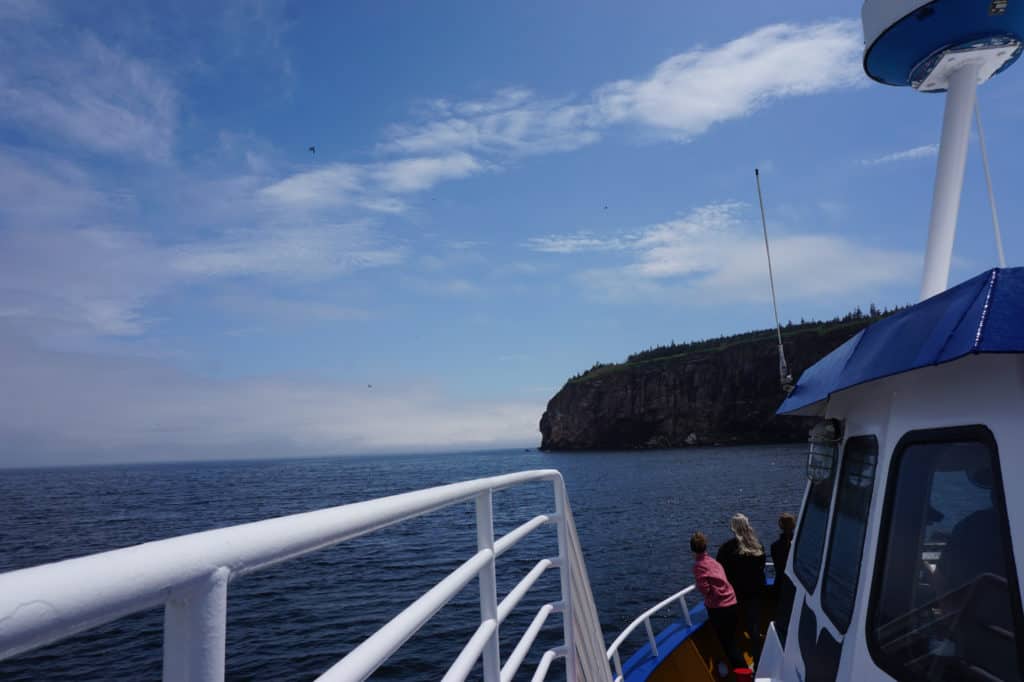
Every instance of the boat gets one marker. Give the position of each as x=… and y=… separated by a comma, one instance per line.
x=906, y=559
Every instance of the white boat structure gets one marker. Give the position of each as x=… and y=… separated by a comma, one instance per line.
x=906, y=564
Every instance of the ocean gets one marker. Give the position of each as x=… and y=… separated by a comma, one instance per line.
x=634, y=512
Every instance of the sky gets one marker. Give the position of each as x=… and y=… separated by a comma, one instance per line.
x=500, y=196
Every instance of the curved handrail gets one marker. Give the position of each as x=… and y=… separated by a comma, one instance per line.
x=645, y=619
x=190, y=574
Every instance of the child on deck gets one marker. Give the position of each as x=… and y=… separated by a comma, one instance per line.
x=719, y=598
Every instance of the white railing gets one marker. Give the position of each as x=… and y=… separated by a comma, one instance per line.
x=189, y=576
x=645, y=619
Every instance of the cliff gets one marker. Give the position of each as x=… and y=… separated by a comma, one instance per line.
x=713, y=392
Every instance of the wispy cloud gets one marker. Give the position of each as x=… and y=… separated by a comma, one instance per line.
x=417, y=174
x=713, y=255
x=684, y=95
x=279, y=309
x=688, y=93
x=151, y=410
x=71, y=263
x=513, y=121
x=94, y=279
x=86, y=93
x=926, y=151
x=573, y=243
x=300, y=253
x=338, y=184
x=372, y=187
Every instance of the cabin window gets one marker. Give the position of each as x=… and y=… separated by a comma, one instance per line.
x=810, y=539
x=849, y=523
x=945, y=603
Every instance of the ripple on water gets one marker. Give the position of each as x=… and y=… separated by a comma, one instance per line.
x=634, y=512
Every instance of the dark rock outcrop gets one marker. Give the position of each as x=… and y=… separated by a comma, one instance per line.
x=721, y=395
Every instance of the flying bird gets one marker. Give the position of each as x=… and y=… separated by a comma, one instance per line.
x=313, y=149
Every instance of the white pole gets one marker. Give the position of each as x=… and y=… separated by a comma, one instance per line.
x=488, y=585
x=195, y=632
x=949, y=178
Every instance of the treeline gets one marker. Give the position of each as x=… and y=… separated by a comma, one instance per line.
x=856, y=316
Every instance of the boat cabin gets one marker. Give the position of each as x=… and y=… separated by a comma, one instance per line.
x=906, y=561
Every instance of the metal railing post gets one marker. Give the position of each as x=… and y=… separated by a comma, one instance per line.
x=488, y=585
x=650, y=637
x=195, y=630
x=565, y=576
x=686, y=611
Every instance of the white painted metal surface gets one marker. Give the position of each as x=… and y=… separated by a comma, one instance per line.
x=949, y=178
x=978, y=389
x=189, y=576
x=987, y=59
x=879, y=15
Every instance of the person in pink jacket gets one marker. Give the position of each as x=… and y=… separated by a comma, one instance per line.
x=719, y=598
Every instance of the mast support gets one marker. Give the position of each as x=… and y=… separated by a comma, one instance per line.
x=949, y=177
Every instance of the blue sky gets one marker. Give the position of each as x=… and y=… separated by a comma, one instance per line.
x=500, y=196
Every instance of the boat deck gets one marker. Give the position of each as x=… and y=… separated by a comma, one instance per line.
x=690, y=653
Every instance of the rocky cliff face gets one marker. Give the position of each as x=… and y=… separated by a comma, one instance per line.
x=719, y=396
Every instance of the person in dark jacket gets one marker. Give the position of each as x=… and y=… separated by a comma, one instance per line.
x=784, y=588
x=780, y=548
x=743, y=559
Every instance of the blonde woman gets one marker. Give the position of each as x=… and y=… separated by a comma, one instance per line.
x=743, y=559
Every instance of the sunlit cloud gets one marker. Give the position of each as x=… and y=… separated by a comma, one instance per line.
x=926, y=151
x=371, y=187
x=684, y=95
x=713, y=255
x=688, y=93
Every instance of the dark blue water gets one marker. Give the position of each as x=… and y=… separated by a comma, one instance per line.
x=634, y=512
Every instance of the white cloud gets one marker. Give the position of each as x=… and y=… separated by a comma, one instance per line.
x=73, y=262
x=926, y=151
x=46, y=191
x=98, y=280
x=683, y=97
x=712, y=255
x=335, y=185
x=300, y=253
x=691, y=91
x=86, y=93
x=573, y=243
x=149, y=410
x=513, y=121
x=368, y=186
x=68, y=280
x=416, y=174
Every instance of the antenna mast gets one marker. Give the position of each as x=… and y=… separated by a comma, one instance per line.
x=784, y=376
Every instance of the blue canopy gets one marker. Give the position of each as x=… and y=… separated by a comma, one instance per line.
x=985, y=314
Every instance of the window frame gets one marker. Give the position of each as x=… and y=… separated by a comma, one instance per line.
x=842, y=628
x=795, y=550
x=976, y=433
